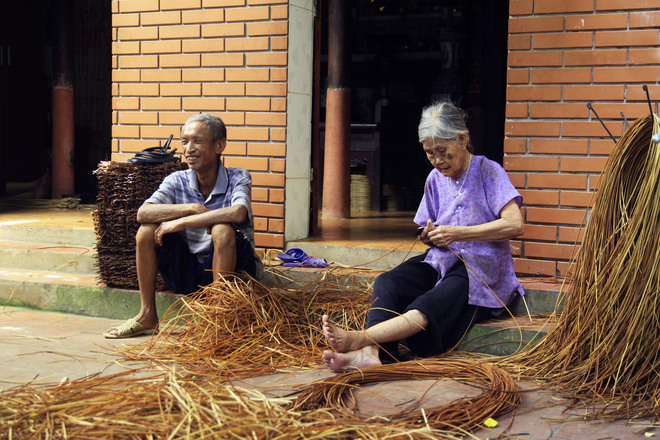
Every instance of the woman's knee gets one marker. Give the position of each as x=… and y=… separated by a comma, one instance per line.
x=384, y=287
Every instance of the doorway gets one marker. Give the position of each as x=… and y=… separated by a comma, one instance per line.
x=26, y=82
x=406, y=55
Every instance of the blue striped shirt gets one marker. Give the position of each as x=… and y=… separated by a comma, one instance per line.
x=232, y=187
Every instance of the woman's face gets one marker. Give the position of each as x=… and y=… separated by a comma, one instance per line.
x=449, y=156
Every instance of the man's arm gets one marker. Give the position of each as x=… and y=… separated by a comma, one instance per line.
x=230, y=214
x=206, y=219
x=159, y=213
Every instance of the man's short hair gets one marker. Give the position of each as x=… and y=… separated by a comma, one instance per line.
x=216, y=127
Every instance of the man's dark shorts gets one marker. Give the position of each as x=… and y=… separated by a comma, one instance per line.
x=185, y=274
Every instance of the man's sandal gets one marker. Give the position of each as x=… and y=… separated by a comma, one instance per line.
x=129, y=329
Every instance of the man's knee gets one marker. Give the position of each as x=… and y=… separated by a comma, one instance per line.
x=223, y=236
x=145, y=235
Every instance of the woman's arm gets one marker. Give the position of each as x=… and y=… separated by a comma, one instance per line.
x=508, y=226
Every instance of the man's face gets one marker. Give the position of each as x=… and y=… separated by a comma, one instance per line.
x=199, y=150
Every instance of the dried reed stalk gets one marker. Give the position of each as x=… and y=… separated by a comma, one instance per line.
x=177, y=407
x=240, y=328
x=500, y=393
x=605, y=345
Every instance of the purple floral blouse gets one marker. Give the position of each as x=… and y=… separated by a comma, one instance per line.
x=482, y=191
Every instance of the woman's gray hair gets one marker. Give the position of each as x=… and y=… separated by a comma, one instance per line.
x=443, y=120
x=216, y=127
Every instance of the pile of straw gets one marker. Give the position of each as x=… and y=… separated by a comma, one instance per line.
x=123, y=187
x=500, y=393
x=237, y=328
x=242, y=328
x=605, y=346
x=172, y=407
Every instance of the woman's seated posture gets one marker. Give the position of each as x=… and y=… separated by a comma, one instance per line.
x=469, y=212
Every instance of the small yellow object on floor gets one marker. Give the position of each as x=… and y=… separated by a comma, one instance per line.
x=490, y=423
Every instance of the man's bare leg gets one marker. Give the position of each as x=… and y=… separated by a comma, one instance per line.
x=358, y=349
x=147, y=270
x=224, y=250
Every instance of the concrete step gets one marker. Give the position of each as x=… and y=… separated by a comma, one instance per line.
x=61, y=258
x=498, y=337
x=33, y=233
x=82, y=295
x=504, y=336
x=72, y=293
x=540, y=296
x=357, y=255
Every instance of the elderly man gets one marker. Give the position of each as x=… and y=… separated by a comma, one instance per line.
x=196, y=227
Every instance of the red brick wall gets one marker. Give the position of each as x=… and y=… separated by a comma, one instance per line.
x=176, y=58
x=562, y=55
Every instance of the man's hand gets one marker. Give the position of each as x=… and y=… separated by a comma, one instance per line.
x=199, y=208
x=167, y=227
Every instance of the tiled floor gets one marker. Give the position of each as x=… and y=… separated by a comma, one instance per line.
x=382, y=230
x=48, y=218
x=45, y=347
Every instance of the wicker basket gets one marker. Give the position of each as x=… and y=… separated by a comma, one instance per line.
x=360, y=193
x=123, y=187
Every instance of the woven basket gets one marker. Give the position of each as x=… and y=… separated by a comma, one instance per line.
x=360, y=193
x=123, y=187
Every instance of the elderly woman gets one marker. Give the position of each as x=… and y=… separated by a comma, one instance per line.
x=468, y=213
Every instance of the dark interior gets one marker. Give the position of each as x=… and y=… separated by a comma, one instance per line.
x=27, y=56
x=404, y=56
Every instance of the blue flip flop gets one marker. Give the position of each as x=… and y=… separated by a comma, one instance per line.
x=309, y=262
x=292, y=255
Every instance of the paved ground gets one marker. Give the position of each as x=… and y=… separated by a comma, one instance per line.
x=49, y=347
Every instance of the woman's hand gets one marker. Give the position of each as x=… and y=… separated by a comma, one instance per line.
x=438, y=236
x=441, y=235
x=509, y=225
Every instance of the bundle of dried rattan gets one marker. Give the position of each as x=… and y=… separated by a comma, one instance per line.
x=235, y=328
x=172, y=407
x=123, y=187
x=240, y=328
x=500, y=393
x=605, y=345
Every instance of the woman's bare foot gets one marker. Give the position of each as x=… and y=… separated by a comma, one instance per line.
x=352, y=360
x=342, y=340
